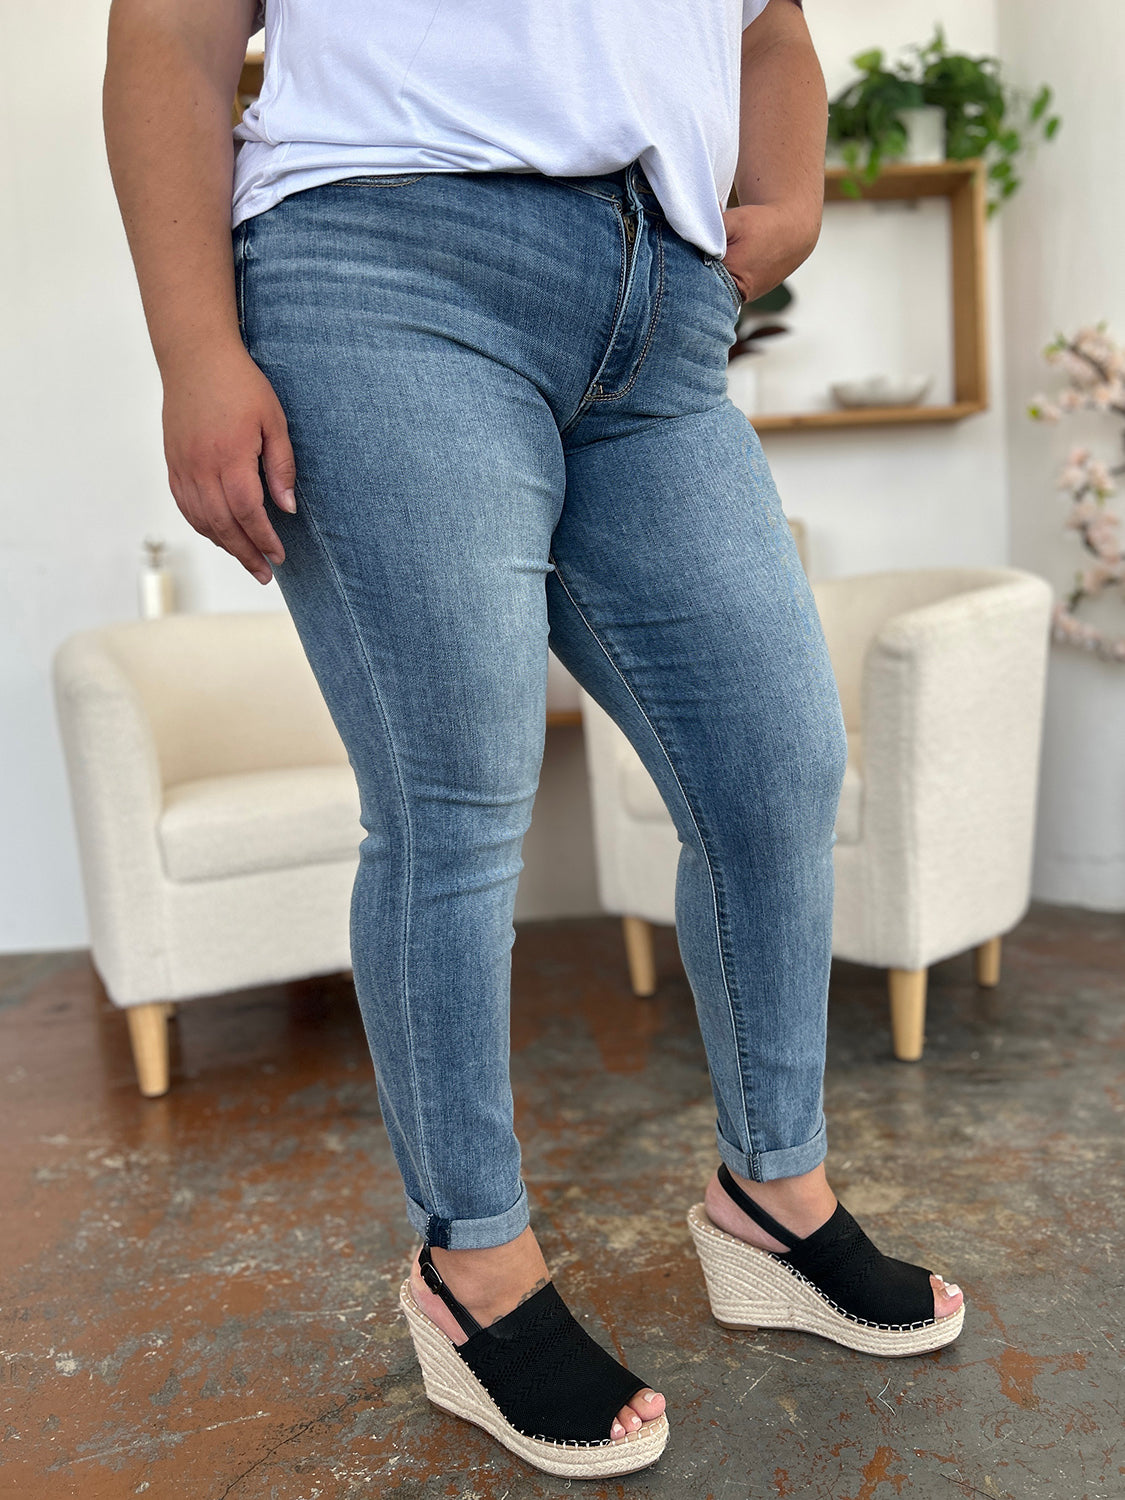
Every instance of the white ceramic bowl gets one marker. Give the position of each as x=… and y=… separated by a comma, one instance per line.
x=881, y=390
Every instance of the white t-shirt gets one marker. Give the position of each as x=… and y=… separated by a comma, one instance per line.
x=574, y=88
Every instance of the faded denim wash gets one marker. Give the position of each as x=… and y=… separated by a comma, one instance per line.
x=507, y=400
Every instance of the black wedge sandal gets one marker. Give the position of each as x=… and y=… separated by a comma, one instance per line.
x=834, y=1282
x=535, y=1380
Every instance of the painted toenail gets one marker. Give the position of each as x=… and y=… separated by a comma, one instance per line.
x=649, y=1395
x=634, y=1420
x=618, y=1430
x=952, y=1289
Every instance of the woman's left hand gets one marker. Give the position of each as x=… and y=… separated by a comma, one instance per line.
x=766, y=242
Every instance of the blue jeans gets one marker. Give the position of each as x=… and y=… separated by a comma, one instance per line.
x=507, y=400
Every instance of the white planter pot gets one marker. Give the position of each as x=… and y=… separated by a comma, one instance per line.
x=742, y=383
x=925, y=132
x=1080, y=833
x=925, y=137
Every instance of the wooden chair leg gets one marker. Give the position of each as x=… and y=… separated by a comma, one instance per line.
x=987, y=962
x=638, y=950
x=908, y=1012
x=148, y=1033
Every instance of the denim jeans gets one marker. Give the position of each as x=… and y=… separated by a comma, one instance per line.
x=507, y=400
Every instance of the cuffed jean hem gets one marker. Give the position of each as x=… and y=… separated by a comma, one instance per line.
x=764, y=1166
x=471, y=1234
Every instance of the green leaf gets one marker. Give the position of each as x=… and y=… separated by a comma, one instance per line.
x=869, y=62
x=771, y=302
x=1051, y=126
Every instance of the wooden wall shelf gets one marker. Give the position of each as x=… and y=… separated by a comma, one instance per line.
x=963, y=183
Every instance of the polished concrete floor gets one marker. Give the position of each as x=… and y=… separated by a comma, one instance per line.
x=198, y=1292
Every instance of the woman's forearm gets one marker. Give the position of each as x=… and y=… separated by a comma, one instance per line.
x=170, y=80
x=784, y=115
x=783, y=127
x=171, y=74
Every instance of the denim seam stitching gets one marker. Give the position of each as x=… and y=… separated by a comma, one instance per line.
x=589, y=192
x=619, y=307
x=243, y=235
x=625, y=389
x=716, y=264
x=409, y=831
x=719, y=925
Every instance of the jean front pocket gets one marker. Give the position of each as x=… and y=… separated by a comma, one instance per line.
x=717, y=264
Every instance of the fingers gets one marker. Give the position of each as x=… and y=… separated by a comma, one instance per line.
x=224, y=434
x=204, y=505
x=278, y=462
x=245, y=506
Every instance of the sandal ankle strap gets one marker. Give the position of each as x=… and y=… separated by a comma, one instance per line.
x=755, y=1211
x=432, y=1277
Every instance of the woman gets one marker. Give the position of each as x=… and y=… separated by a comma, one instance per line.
x=471, y=331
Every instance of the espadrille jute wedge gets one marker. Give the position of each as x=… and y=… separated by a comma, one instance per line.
x=833, y=1282
x=535, y=1380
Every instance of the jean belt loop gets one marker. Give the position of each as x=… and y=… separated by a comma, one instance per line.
x=633, y=176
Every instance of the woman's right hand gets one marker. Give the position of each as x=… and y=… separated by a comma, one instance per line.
x=221, y=416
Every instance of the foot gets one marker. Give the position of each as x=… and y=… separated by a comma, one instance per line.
x=491, y=1283
x=801, y=1204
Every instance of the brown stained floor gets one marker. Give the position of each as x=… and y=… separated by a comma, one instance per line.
x=198, y=1293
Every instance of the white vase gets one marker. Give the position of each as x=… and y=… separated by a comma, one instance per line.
x=156, y=589
x=742, y=383
x=925, y=133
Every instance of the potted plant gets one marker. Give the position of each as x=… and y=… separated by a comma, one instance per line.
x=872, y=120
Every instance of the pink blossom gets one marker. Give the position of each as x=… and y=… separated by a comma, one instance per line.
x=1084, y=511
x=1100, y=477
x=1106, y=394
x=1078, y=369
x=1102, y=539
x=1094, y=579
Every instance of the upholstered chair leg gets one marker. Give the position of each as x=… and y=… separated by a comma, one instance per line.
x=638, y=950
x=908, y=1012
x=148, y=1033
x=987, y=961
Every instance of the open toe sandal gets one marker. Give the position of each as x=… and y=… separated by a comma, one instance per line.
x=535, y=1380
x=834, y=1282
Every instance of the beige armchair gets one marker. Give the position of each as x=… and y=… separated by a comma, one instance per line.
x=216, y=811
x=941, y=673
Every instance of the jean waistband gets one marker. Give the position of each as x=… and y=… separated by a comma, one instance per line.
x=627, y=184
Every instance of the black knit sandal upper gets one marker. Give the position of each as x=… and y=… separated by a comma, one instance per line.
x=845, y=1267
x=544, y=1371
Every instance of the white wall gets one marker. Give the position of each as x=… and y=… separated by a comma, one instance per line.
x=82, y=480
x=1063, y=238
